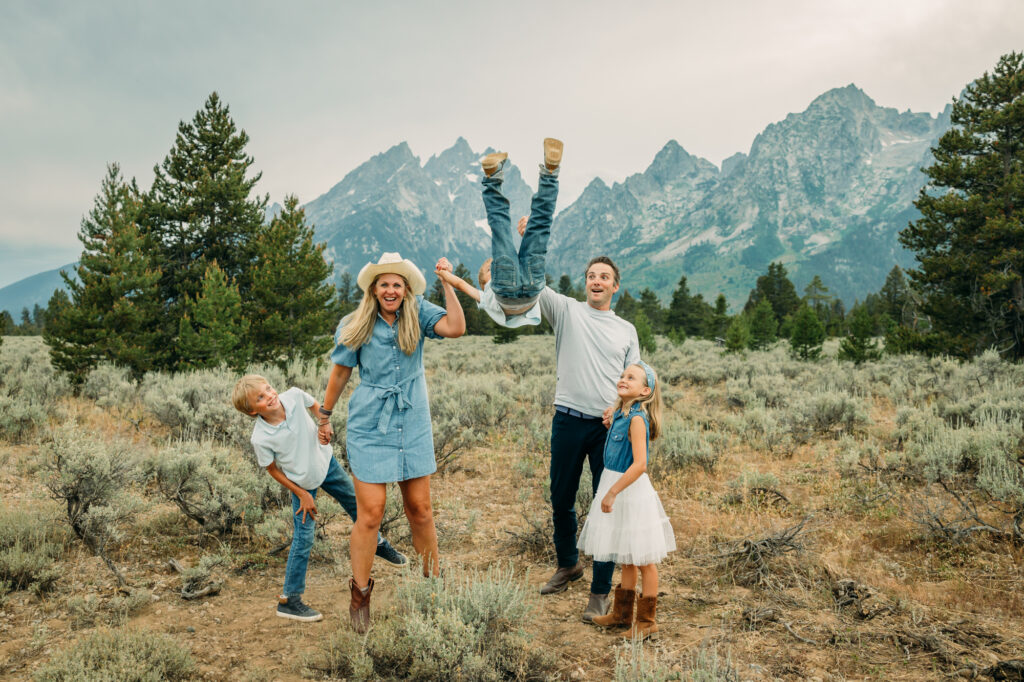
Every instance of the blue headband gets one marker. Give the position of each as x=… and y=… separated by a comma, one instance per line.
x=650, y=373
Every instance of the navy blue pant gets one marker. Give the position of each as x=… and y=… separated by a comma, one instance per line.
x=574, y=439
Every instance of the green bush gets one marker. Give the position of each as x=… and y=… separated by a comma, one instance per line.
x=93, y=481
x=469, y=628
x=30, y=542
x=214, y=486
x=122, y=655
x=681, y=447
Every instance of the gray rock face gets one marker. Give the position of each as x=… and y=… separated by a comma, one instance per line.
x=825, y=191
x=424, y=211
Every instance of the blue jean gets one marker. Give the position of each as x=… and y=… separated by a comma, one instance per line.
x=338, y=485
x=574, y=439
x=517, y=276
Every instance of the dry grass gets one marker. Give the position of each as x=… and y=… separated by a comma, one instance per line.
x=864, y=593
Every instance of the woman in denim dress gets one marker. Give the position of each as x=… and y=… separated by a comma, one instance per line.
x=388, y=434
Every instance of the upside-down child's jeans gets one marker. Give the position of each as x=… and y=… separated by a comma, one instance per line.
x=518, y=277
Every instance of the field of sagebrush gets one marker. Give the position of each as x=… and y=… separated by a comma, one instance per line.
x=833, y=521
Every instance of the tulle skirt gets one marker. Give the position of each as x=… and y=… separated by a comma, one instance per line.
x=636, y=531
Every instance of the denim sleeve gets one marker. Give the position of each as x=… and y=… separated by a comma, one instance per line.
x=430, y=313
x=343, y=355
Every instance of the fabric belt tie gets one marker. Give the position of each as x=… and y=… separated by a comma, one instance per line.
x=394, y=396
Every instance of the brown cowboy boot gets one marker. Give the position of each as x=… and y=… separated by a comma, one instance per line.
x=359, y=608
x=621, y=615
x=645, y=627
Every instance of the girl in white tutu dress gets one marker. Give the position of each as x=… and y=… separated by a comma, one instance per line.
x=627, y=523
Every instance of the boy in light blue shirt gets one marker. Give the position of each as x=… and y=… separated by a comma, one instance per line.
x=511, y=296
x=286, y=444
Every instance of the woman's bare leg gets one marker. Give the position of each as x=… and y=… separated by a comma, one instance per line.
x=370, y=500
x=420, y=512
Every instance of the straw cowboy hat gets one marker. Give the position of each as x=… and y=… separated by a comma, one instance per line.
x=392, y=263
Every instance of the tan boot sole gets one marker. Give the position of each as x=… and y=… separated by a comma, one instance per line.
x=552, y=152
x=492, y=162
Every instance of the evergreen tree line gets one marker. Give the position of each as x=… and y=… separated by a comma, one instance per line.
x=31, y=324
x=189, y=274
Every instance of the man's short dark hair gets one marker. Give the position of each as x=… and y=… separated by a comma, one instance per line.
x=602, y=259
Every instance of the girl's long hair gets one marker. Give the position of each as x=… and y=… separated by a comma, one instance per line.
x=357, y=327
x=650, y=403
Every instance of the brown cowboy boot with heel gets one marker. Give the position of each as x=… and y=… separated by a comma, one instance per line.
x=621, y=615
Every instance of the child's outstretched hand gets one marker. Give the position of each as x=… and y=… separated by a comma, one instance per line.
x=521, y=226
x=443, y=265
x=607, y=502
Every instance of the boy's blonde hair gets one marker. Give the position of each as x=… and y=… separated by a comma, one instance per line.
x=243, y=389
x=485, y=269
x=357, y=328
x=650, y=403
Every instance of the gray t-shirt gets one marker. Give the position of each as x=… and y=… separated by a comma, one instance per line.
x=592, y=347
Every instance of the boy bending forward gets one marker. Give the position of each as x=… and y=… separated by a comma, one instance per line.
x=285, y=439
x=511, y=282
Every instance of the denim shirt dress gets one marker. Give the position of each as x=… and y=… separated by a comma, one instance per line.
x=618, y=451
x=388, y=434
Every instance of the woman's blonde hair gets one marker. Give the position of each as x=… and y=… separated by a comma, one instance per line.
x=650, y=403
x=357, y=327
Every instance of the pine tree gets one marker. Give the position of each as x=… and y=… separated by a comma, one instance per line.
x=293, y=308
x=718, y=322
x=199, y=209
x=859, y=345
x=644, y=333
x=650, y=305
x=114, y=309
x=968, y=238
x=683, y=314
x=737, y=336
x=6, y=323
x=763, y=326
x=807, y=333
x=895, y=295
x=774, y=287
x=566, y=288
x=626, y=306
x=213, y=330
x=817, y=297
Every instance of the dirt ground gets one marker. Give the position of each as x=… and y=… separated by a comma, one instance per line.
x=861, y=597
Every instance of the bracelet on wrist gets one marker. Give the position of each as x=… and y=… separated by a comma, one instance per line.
x=325, y=411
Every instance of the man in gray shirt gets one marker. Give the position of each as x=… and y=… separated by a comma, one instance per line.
x=592, y=347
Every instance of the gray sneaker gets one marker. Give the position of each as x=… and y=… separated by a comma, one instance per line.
x=391, y=555
x=293, y=608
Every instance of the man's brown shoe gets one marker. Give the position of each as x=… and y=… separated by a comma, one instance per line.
x=359, y=608
x=621, y=615
x=552, y=153
x=492, y=162
x=561, y=579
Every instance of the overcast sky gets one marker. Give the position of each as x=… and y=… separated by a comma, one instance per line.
x=322, y=86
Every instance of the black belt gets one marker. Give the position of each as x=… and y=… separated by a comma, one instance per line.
x=573, y=413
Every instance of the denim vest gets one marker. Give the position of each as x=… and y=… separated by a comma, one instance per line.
x=618, y=451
